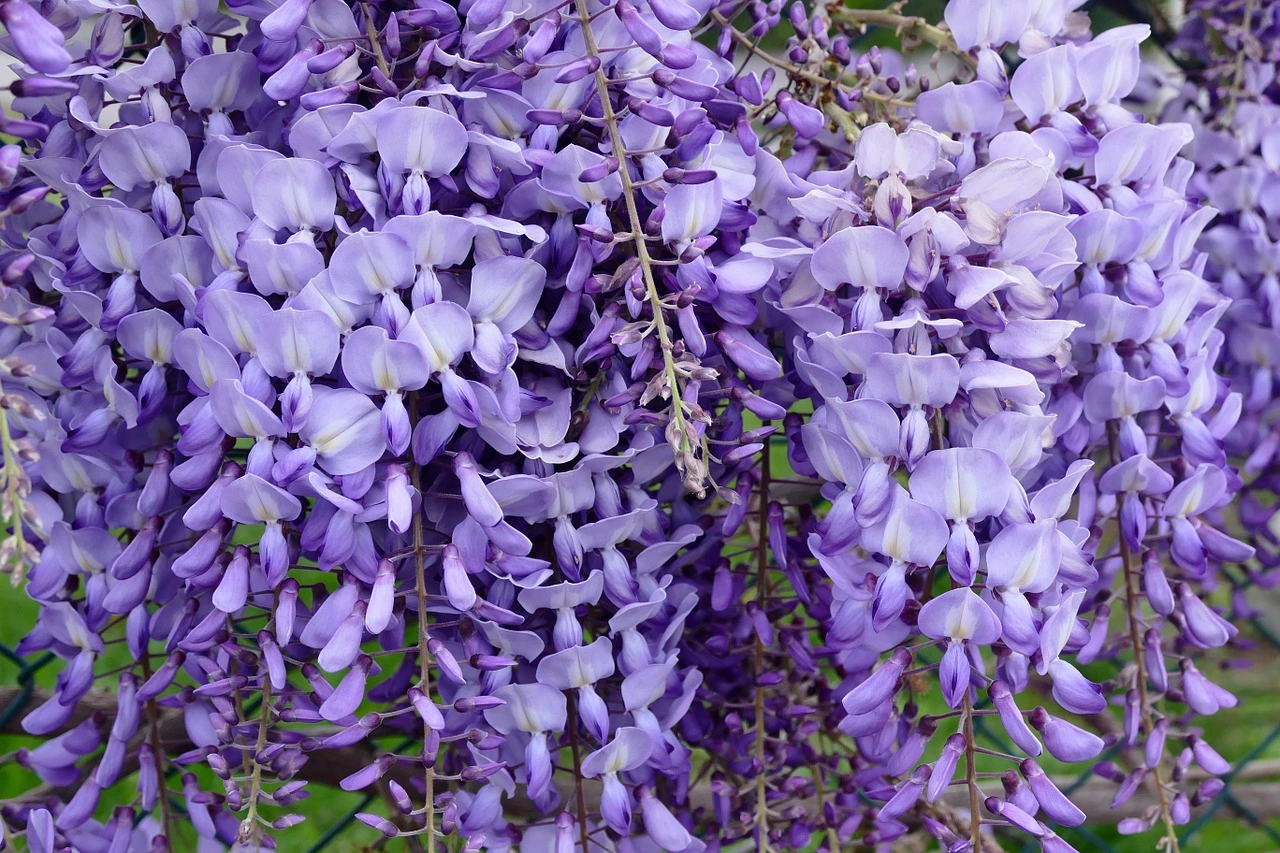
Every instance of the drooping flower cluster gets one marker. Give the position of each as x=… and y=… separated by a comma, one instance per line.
x=366, y=401
x=1230, y=96
x=400, y=385
x=997, y=311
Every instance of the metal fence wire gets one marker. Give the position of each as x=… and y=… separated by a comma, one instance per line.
x=1248, y=798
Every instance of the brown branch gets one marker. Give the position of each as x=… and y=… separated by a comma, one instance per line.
x=1132, y=597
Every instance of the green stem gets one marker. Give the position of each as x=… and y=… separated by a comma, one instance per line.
x=13, y=475
x=762, y=595
x=249, y=826
x=157, y=749
x=424, y=666
x=1131, y=600
x=579, y=795
x=371, y=32
x=1237, y=79
x=679, y=435
x=971, y=774
x=899, y=23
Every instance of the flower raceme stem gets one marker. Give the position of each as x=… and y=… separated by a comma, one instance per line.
x=16, y=551
x=1130, y=581
x=424, y=665
x=893, y=19
x=762, y=555
x=690, y=450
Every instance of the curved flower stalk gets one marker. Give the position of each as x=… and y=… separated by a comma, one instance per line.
x=679, y=226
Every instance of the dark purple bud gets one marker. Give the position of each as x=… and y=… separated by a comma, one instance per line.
x=1065, y=741
x=677, y=57
x=1208, y=757
x=445, y=660
x=748, y=88
x=741, y=452
x=1204, y=627
x=1015, y=816
x=644, y=36
x=944, y=770
x=1108, y=770
x=1207, y=790
x=599, y=171
x=1153, y=750
x=1055, y=804
x=764, y=409
x=386, y=827
x=138, y=552
x=222, y=686
x=326, y=61
x=808, y=121
x=366, y=776
x=1012, y=720
x=329, y=97
x=879, y=687
x=684, y=87
x=575, y=71
x=491, y=663
x=757, y=362
x=40, y=87
x=799, y=18
x=81, y=806
x=1132, y=716
x=1128, y=787
x=652, y=113
x=17, y=268
x=554, y=118
x=161, y=678
x=689, y=176
x=906, y=796
x=402, y=799
x=1155, y=584
x=469, y=704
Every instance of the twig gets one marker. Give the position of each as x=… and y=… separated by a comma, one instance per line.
x=579, y=796
x=971, y=773
x=424, y=665
x=1237, y=79
x=154, y=718
x=900, y=23
x=796, y=71
x=372, y=32
x=1131, y=593
x=249, y=830
x=762, y=595
x=14, y=478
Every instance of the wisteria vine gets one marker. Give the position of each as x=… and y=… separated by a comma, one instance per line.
x=584, y=426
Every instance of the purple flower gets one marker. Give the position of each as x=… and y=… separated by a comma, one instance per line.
x=562, y=396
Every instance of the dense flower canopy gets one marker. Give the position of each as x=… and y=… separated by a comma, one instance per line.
x=618, y=435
